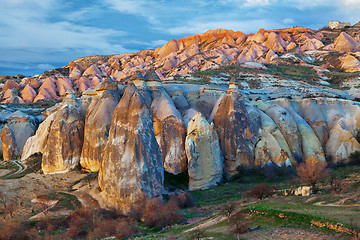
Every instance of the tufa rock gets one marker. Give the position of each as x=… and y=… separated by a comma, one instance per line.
x=205, y=161
x=97, y=125
x=65, y=139
x=132, y=168
x=8, y=143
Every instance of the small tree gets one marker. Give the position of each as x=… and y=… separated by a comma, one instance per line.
x=228, y=209
x=260, y=191
x=311, y=171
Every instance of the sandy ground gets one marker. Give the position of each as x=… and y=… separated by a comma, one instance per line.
x=22, y=190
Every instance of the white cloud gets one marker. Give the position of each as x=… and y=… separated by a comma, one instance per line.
x=45, y=66
x=246, y=26
x=288, y=21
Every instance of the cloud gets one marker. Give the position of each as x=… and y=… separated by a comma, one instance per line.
x=44, y=66
x=33, y=35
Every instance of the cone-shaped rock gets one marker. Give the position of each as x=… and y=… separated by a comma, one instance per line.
x=344, y=42
x=37, y=143
x=8, y=143
x=234, y=129
x=97, y=125
x=63, y=148
x=205, y=161
x=168, y=126
x=131, y=168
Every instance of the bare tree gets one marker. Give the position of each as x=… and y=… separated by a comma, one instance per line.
x=311, y=171
x=228, y=209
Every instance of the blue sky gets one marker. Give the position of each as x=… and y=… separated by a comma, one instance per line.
x=38, y=35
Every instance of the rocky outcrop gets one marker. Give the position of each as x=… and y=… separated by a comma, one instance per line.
x=235, y=131
x=36, y=144
x=205, y=160
x=344, y=42
x=97, y=124
x=23, y=126
x=65, y=138
x=168, y=126
x=132, y=167
x=8, y=143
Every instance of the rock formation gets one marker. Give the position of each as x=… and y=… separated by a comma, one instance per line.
x=8, y=143
x=65, y=138
x=23, y=126
x=234, y=129
x=169, y=128
x=205, y=160
x=132, y=167
x=97, y=124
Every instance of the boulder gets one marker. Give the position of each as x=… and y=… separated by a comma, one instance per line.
x=65, y=139
x=97, y=125
x=205, y=160
x=8, y=143
x=132, y=168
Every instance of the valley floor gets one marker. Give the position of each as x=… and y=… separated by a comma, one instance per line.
x=331, y=213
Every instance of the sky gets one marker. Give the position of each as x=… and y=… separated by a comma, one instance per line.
x=39, y=35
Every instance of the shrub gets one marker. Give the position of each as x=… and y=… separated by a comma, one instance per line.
x=311, y=171
x=182, y=200
x=239, y=224
x=272, y=171
x=12, y=230
x=228, y=209
x=158, y=214
x=260, y=191
x=354, y=158
x=82, y=221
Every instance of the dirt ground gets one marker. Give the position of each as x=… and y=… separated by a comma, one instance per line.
x=22, y=190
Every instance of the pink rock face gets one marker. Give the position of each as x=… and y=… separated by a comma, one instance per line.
x=47, y=90
x=10, y=84
x=63, y=85
x=28, y=93
x=344, y=42
x=311, y=44
x=275, y=43
x=92, y=71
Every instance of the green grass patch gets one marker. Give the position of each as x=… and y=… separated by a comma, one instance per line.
x=66, y=202
x=288, y=219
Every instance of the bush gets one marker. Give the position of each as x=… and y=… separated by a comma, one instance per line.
x=158, y=214
x=120, y=228
x=272, y=171
x=354, y=158
x=12, y=230
x=311, y=171
x=260, y=191
x=182, y=200
x=239, y=223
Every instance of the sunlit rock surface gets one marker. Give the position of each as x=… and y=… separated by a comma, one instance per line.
x=132, y=167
